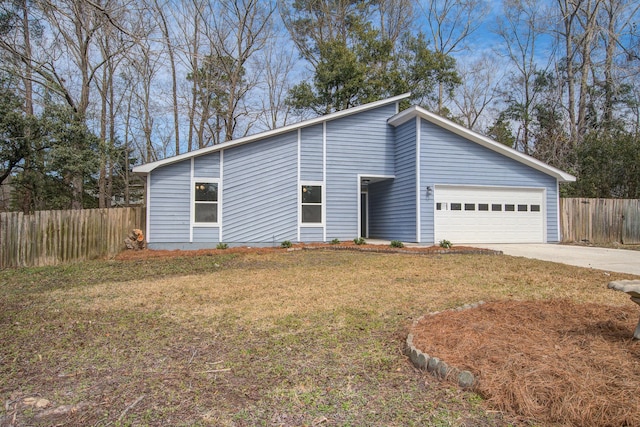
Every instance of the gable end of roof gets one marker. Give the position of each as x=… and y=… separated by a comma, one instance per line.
x=489, y=143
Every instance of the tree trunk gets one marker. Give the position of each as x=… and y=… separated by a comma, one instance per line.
x=28, y=108
x=174, y=84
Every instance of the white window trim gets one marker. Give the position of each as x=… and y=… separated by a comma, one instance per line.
x=193, y=202
x=148, y=221
x=322, y=204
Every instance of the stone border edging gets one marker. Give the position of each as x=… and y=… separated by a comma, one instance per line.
x=434, y=365
x=404, y=251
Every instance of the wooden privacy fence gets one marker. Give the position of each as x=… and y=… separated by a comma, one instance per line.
x=55, y=237
x=600, y=220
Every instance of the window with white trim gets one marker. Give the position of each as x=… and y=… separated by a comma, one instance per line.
x=205, y=204
x=311, y=204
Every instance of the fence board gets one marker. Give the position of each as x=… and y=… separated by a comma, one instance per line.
x=600, y=221
x=631, y=226
x=55, y=237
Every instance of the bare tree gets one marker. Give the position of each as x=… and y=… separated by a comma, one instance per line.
x=521, y=27
x=617, y=18
x=189, y=18
x=241, y=29
x=396, y=17
x=112, y=48
x=146, y=65
x=450, y=23
x=478, y=91
x=276, y=64
x=162, y=19
x=577, y=35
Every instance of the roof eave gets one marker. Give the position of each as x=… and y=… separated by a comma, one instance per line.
x=146, y=168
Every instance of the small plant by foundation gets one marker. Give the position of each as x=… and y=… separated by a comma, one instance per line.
x=222, y=245
x=397, y=244
x=446, y=244
x=335, y=241
x=359, y=241
x=286, y=244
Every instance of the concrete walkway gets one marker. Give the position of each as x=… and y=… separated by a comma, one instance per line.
x=618, y=260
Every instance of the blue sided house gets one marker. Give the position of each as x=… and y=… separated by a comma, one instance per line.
x=369, y=171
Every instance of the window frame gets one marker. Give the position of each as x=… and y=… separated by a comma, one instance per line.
x=301, y=204
x=195, y=181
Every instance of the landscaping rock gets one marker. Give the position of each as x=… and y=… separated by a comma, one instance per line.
x=414, y=356
x=466, y=379
x=631, y=288
x=423, y=360
x=433, y=364
x=441, y=369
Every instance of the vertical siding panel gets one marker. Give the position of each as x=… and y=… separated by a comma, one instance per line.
x=311, y=234
x=170, y=217
x=260, y=199
x=392, y=203
x=311, y=153
x=206, y=235
x=207, y=166
x=358, y=144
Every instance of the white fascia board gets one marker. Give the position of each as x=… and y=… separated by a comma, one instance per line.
x=148, y=167
x=414, y=111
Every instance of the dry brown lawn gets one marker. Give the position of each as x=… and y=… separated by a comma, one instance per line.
x=263, y=337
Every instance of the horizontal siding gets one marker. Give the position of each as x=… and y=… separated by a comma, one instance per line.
x=206, y=235
x=311, y=234
x=207, y=166
x=311, y=153
x=169, y=210
x=358, y=144
x=392, y=203
x=260, y=198
x=447, y=158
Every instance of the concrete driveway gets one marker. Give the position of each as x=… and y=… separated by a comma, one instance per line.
x=618, y=260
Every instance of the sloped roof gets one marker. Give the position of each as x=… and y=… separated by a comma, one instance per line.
x=148, y=167
x=415, y=111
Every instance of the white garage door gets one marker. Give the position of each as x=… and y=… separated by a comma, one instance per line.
x=489, y=214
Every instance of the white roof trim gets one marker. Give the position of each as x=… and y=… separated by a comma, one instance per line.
x=148, y=167
x=414, y=111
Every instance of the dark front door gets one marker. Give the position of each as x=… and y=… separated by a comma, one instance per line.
x=364, y=215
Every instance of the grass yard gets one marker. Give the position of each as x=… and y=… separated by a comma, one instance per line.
x=273, y=337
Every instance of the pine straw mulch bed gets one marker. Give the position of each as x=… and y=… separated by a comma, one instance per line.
x=427, y=250
x=550, y=362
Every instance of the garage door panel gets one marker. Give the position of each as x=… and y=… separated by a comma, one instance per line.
x=489, y=215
